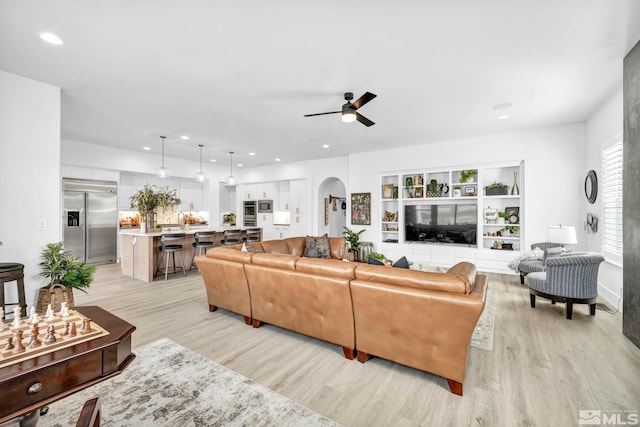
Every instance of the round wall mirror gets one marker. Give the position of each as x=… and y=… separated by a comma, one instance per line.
x=591, y=186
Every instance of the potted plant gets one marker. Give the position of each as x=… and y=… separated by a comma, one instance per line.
x=377, y=255
x=353, y=238
x=65, y=273
x=433, y=189
x=468, y=175
x=457, y=191
x=148, y=199
x=512, y=229
x=497, y=189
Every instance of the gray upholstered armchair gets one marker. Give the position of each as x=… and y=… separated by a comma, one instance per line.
x=570, y=278
x=534, y=265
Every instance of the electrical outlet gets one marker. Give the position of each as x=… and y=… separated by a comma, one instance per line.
x=43, y=225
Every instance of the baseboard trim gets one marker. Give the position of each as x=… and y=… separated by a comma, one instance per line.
x=611, y=296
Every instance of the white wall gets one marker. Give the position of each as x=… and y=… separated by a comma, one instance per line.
x=604, y=127
x=29, y=176
x=552, y=183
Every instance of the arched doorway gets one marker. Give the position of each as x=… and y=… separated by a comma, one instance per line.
x=331, y=220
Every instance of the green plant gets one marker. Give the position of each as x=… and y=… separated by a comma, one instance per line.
x=60, y=266
x=433, y=185
x=496, y=184
x=457, y=187
x=377, y=255
x=502, y=214
x=149, y=198
x=513, y=229
x=352, y=237
x=466, y=175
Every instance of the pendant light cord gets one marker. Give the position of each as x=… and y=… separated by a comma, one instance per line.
x=163, y=138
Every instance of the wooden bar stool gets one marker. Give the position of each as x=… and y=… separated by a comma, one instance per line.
x=9, y=272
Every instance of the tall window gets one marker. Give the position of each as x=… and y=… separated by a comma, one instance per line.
x=612, y=201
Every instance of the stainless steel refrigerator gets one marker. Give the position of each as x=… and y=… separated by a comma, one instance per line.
x=90, y=220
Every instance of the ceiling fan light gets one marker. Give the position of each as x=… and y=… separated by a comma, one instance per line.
x=348, y=116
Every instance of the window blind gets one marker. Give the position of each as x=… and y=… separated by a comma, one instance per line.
x=612, y=199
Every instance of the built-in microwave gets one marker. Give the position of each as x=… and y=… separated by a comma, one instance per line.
x=265, y=206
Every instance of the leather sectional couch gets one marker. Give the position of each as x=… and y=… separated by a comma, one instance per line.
x=419, y=319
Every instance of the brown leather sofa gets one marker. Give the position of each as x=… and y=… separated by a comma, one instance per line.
x=419, y=319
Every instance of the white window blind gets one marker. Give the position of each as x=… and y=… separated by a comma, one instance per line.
x=612, y=200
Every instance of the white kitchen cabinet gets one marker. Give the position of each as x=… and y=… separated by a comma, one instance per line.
x=190, y=195
x=267, y=190
x=284, y=188
x=298, y=227
x=129, y=185
x=297, y=196
x=249, y=192
x=282, y=232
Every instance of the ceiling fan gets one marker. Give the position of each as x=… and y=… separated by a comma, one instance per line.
x=349, y=113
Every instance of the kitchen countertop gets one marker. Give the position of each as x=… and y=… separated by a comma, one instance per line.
x=191, y=230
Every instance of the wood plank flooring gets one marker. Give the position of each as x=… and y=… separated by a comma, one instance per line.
x=542, y=371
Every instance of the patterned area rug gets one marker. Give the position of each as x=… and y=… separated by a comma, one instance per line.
x=169, y=385
x=482, y=337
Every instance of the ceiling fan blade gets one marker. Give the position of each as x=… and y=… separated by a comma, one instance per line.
x=322, y=114
x=362, y=119
x=368, y=96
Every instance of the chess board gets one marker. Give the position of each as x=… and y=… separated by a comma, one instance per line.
x=9, y=334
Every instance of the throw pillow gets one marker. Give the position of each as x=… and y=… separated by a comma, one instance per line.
x=401, y=263
x=317, y=247
x=374, y=261
x=253, y=248
x=244, y=248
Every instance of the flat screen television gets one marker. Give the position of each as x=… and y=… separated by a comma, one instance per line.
x=455, y=224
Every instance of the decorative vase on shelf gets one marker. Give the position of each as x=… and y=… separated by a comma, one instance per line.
x=515, y=190
x=143, y=227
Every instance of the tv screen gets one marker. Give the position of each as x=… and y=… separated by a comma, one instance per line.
x=441, y=223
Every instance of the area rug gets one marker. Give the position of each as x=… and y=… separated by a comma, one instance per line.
x=482, y=337
x=169, y=385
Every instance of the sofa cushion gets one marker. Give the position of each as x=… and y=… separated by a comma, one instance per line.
x=282, y=261
x=230, y=254
x=254, y=247
x=337, y=246
x=317, y=247
x=275, y=247
x=466, y=272
x=327, y=267
x=401, y=263
x=296, y=245
x=411, y=278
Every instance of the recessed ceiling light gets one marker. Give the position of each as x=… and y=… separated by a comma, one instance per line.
x=146, y=148
x=325, y=146
x=213, y=160
x=503, y=116
x=252, y=154
x=240, y=165
x=51, y=38
x=185, y=137
x=277, y=159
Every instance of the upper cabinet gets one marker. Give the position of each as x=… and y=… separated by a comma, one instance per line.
x=190, y=195
x=250, y=192
x=267, y=190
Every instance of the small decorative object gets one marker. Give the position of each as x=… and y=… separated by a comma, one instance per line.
x=419, y=192
x=390, y=216
x=387, y=191
x=491, y=215
x=468, y=175
x=433, y=189
x=417, y=180
x=469, y=191
x=497, y=244
x=515, y=190
x=395, y=192
x=512, y=214
x=326, y=211
x=511, y=229
x=408, y=182
x=497, y=189
x=591, y=225
x=591, y=186
x=361, y=208
x=445, y=188
x=457, y=191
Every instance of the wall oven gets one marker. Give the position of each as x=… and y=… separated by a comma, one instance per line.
x=250, y=213
x=265, y=206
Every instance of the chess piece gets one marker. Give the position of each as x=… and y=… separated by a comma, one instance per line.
x=9, y=345
x=51, y=316
x=17, y=312
x=65, y=332
x=86, y=326
x=51, y=335
x=64, y=310
x=33, y=316
x=49, y=312
x=72, y=331
x=35, y=340
x=18, y=347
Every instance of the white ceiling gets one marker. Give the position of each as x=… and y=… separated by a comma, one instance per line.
x=238, y=76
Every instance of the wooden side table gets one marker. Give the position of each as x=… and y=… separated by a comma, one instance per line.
x=10, y=272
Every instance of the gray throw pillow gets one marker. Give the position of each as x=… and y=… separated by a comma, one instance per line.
x=401, y=263
x=317, y=247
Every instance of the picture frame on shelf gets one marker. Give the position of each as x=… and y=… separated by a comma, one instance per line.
x=512, y=214
x=395, y=191
x=491, y=215
x=360, y=208
x=418, y=192
x=469, y=191
x=387, y=191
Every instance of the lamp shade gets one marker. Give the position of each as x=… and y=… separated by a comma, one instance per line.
x=564, y=235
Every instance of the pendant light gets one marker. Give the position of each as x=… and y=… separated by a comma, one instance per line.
x=162, y=171
x=231, y=180
x=201, y=176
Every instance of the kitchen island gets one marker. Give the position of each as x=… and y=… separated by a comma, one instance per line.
x=139, y=251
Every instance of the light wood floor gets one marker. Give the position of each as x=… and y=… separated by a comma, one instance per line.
x=542, y=371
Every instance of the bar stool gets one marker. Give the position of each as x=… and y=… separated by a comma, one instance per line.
x=252, y=234
x=201, y=246
x=170, y=249
x=231, y=237
x=9, y=272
